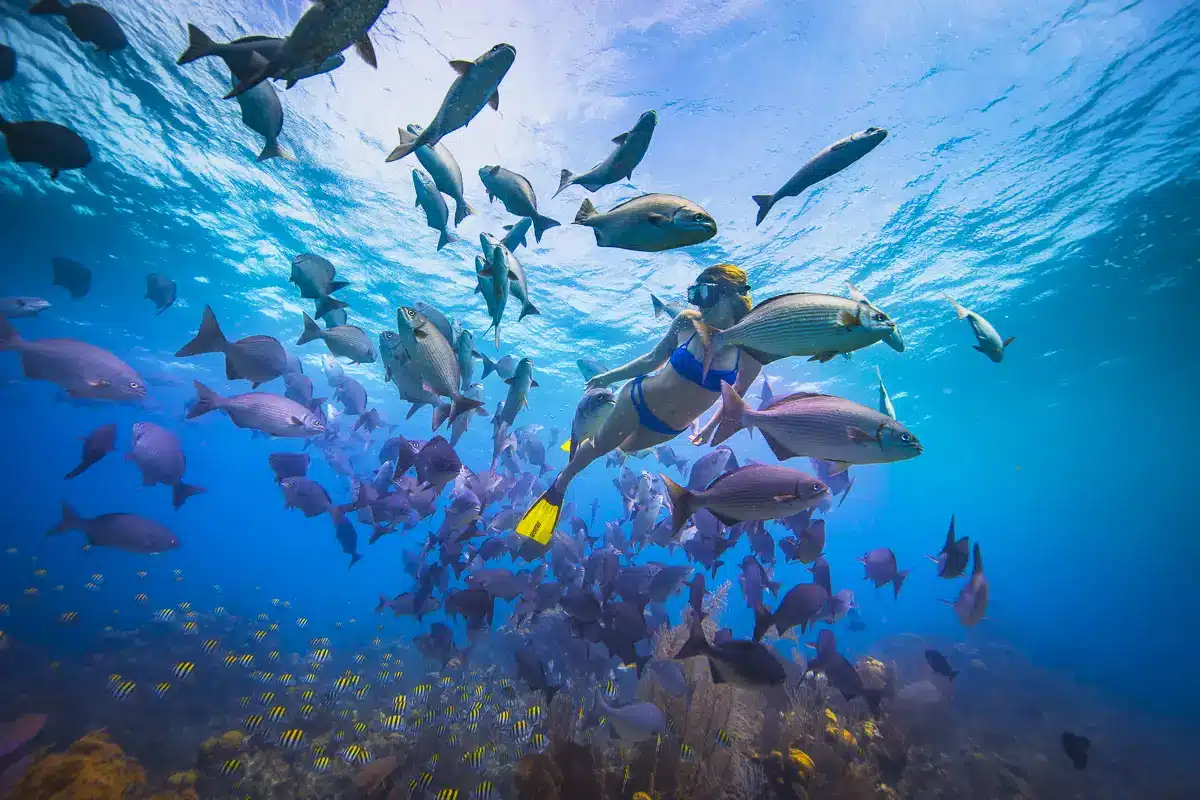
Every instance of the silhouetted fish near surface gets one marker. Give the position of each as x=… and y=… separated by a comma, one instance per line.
x=263, y=113
x=620, y=164
x=987, y=340
x=47, y=144
x=830, y=161
x=516, y=193
x=344, y=341
x=446, y=174
x=85, y=371
x=8, y=63
x=437, y=213
x=88, y=22
x=161, y=290
x=120, y=531
x=650, y=223
x=257, y=359
x=96, y=445
x=72, y=276
x=1076, y=747
x=940, y=664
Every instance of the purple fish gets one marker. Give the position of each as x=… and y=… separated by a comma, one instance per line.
x=752, y=492
x=257, y=359
x=710, y=466
x=952, y=561
x=807, y=546
x=96, y=445
x=271, y=414
x=306, y=495
x=85, y=371
x=127, y=532
x=972, y=601
x=882, y=569
x=800, y=606
x=288, y=465
x=353, y=397
x=158, y=454
x=437, y=464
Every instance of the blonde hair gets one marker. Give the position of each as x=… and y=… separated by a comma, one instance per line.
x=733, y=276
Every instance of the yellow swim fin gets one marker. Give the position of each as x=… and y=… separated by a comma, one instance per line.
x=542, y=517
x=566, y=446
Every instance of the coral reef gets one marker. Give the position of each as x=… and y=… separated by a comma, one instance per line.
x=93, y=768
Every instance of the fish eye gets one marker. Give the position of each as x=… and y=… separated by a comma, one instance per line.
x=906, y=437
x=880, y=316
x=816, y=487
x=698, y=217
x=133, y=384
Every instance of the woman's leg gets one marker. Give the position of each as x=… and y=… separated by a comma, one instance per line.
x=620, y=425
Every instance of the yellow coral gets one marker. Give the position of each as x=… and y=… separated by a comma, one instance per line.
x=183, y=778
x=801, y=760
x=94, y=767
x=229, y=740
x=641, y=796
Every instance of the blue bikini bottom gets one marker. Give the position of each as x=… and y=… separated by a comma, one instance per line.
x=645, y=415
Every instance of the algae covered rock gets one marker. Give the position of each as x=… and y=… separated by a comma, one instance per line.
x=93, y=768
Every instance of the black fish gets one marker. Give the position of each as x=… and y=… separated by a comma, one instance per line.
x=841, y=673
x=800, y=606
x=161, y=290
x=737, y=662
x=8, y=63
x=1076, y=747
x=437, y=463
x=939, y=664
x=288, y=465
x=96, y=445
x=72, y=276
x=89, y=23
x=531, y=670
x=476, y=605
x=347, y=537
x=46, y=144
x=952, y=561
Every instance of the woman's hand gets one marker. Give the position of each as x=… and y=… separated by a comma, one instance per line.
x=702, y=436
x=599, y=381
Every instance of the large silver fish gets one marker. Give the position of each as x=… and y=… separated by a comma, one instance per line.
x=494, y=291
x=649, y=224
x=477, y=85
x=504, y=262
x=85, y=371
x=444, y=170
x=989, y=341
x=345, y=341
x=399, y=371
x=434, y=359
x=327, y=28
x=631, y=148
x=752, y=492
x=516, y=193
x=820, y=426
x=437, y=213
x=260, y=411
x=800, y=324
x=518, y=391
x=830, y=161
x=594, y=408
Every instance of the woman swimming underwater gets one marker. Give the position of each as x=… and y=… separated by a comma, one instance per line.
x=655, y=408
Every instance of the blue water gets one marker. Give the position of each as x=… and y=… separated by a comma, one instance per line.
x=1040, y=167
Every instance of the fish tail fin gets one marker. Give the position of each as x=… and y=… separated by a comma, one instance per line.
x=586, y=212
x=209, y=339
x=446, y=238
x=541, y=224
x=565, y=179
x=408, y=143
x=732, y=416
x=681, y=503
x=206, y=400
x=898, y=581
x=1009, y=341
x=48, y=7
x=660, y=307
x=311, y=330
x=70, y=521
x=489, y=366
x=273, y=150
x=413, y=409
x=460, y=404
x=180, y=492
x=354, y=559
x=763, y=620
x=697, y=644
x=381, y=605
x=9, y=338
x=527, y=309
x=441, y=413
x=261, y=72
x=765, y=201
x=958, y=308
x=327, y=304
x=200, y=44
x=539, y=521
x=461, y=212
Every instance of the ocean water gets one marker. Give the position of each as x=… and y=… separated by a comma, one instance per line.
x=1040, y=166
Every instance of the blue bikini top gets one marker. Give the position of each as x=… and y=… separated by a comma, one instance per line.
x=689, y=367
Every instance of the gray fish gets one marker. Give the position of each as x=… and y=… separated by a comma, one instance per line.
x=305, y=494
x=881, y=568
x=47, y=144
x=505, y=367
x=765, y=396
x=503, y=262
x=971, y=603
x=84, y=371
x=670, y=309
x=17, y=307
x=89, y=23
x=8, y=63
x=439, y=320
x=161, y=290
x=127, y=532
x=260, y=411
x=754, y=580
x=400, y=372
x=956, y=554
x=836, y=476
x=885, y=402
x=72, y=276
x=516, y=193
x=353, y=397
x=159, y=455
x=334, y=317
x=477, y=85
x=263, y=113
x=620, y=164
x=649, y=224
x=437, y=464
x=830, y=161
x=96, y=445
x=299, y=387
x=808, y=544
x=667, y=457
x=325, y=29
x=434, y=360
x=347, y=537
x=314, y=276
x=841, y=673
x=459, y=427
x=518, y=390
x=590, y=414
x=406, y=605
x=590, y=368
x=288, y=465
x=294, y=76
x=257, y=359
x=464, y=349
x=344, y=341
x=988, y=340
x=437, y=214
x=237, y=55
x=800, y=606
x=516, y=234
x=444, y=170
x=752, y=492
x=710, y=466
x=821, y=426
x=635, y=722
x=495, y=297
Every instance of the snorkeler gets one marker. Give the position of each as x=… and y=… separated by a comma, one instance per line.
x=655, y=407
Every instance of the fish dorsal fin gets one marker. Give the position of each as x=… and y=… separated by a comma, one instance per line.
x=776, y=401
x=770, y=300
x=462, y=67
x=950, y=533
x=494, y=100
x=619, y=139
x=978, y=561
x=494, y=171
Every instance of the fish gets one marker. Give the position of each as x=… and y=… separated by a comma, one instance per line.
x=353, y=397
x=400, y=372
x=971, y=603
x=821, y=426
x=21, y=730
x=72, y=276
x=159, y=455
x=464, y=349
x=260, y=411
x=516, y=234
x=127, y=532
x=344, y=341
x=444, y=170
x=495, y=297
x=347, y=537
x=752, y=492
x=830, y=161
x=437, y=214
x=258, y=359
x=296, y=74
x=263, y=113
x=18, y=307
x=96, y=445
x=737, y=662
x=237, y=54
x=503, y=262
x=636, y=722
x=477, y=85
x=47, y=144
x=305, y=494
x=820, y=326
x=800, y=606
x=516, y=193
x=161, y=290
x=439, y=320
x=841, y=673
x=650, y=223
x=315, y=277
x=955, y=555
x=670, y=309
x=808, y=545
x=518, y=390
x=987, y=340
x=84, y=371
x=437, y=464
x=1076, y=747
x=940, y=664
x=881, y=569
x=8, y=63
x=590, y=414
x=667, y=457
x=89, y=23
x=433, y=358
x=620, y=164
x=299, y=387
x=325, y=29
x=885, y=401
x=590, y=368
x=710, y=466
